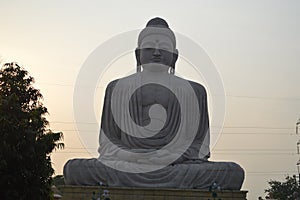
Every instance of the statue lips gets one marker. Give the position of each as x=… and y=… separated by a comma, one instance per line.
x=156, y=59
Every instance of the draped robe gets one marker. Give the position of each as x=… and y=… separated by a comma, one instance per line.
x=191, y=169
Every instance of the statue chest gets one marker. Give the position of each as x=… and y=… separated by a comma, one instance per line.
x=153, y=94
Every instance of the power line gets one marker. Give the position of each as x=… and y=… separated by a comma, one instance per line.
x=256, y=133
x=215, y=153
x=266, y=98
x=232, y=96
x=236, y=134
x=256, y=153
x=252, y=149
x=269, y=173
x=244, y=154
x=256, y=127
x=223, y=133
x=230, y=127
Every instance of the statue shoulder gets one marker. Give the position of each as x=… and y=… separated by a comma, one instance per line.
x=198, y=88
x=112, y=84
x=125, y=80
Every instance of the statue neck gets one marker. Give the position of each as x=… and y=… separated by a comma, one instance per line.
x=162, y=69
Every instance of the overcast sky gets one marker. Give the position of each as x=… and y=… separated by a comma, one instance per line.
x=254, y=45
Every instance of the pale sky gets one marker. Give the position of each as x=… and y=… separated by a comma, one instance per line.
x=255, y=45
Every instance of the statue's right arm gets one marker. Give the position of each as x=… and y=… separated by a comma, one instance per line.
x=110, y=134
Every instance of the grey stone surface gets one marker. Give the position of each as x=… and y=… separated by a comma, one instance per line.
x=154, y=128
x=88, y=192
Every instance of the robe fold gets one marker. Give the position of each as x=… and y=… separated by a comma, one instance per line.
x=127, y=129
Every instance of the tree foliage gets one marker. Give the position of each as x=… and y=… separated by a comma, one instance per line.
x=58, y=180
x=25, y=140
x=283, y=190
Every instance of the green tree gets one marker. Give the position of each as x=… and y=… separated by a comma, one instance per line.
x=25, y=140
x=58, y=180
x=283, y=190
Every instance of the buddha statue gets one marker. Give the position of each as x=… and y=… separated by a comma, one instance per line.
x=154, y=127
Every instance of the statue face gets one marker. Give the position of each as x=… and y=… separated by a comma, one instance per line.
x=157, y=52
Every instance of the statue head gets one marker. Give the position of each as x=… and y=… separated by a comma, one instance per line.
x=157, y=47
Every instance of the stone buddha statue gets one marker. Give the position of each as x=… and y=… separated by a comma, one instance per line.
x=154, y=127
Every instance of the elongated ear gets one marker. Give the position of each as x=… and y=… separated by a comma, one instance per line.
x=138, y=56
x=175, y=57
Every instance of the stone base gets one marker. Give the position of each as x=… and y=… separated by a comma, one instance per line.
x=86, y=192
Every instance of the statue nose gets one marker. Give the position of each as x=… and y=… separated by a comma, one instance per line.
x=156, y=52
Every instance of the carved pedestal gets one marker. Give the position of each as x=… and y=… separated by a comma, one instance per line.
x=88, y=192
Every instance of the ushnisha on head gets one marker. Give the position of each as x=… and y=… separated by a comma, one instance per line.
x=156, y=49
